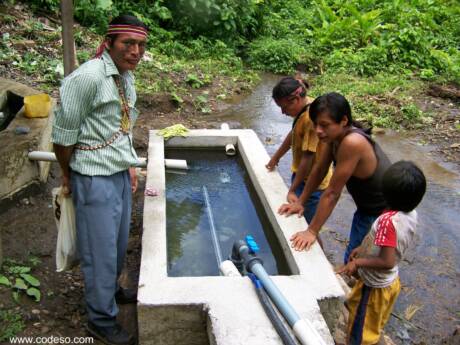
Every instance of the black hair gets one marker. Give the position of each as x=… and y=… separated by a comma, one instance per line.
x=126, y=19
x=337, y=107
x=286, y=86
x=403, y=186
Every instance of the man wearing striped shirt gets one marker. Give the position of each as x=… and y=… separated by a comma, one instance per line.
x=92, y=136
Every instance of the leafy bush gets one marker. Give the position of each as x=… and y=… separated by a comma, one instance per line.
x=19, y=279
x=411, y=112
x=11, y=323
x=279, y=56
x=50, y=5
x=93, y=13
x=215, y=18
x=369, y=36
x=364, y=61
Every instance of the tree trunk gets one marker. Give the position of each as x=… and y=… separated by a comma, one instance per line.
x=67, y=36
x=1, y=250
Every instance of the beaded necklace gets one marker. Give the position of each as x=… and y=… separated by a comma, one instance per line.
x=125, y=122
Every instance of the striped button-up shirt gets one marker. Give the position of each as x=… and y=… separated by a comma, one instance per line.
x=90, y=113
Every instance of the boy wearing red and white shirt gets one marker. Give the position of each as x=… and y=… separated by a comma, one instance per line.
x=376, y=261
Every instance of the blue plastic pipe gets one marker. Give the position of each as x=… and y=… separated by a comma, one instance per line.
x=275, y=294
x=303, y=329
x=275, y=319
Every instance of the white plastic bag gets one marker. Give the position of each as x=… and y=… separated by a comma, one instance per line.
x=64, y=215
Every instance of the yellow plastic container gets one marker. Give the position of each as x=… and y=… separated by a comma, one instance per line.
x=37, y=105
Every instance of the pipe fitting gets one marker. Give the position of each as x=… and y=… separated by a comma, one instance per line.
x=230, y=150
x=224, y=126
x=228, y=269
x=241, y=254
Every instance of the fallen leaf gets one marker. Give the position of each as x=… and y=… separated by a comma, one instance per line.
x=411, y=310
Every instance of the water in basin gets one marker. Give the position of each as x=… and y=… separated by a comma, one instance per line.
x=235, y=207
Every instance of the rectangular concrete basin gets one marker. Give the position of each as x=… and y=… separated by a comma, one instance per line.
x=226, y=310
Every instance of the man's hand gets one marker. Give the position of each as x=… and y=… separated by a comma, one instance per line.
x=292, y=198
x=272, y=164
x=294, y=208
x=66, y=190
x=303, y=240
x=349, y=269
x=63, y=155
x=133, y=175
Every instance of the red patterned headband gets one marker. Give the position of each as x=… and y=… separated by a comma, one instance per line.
x=115, y=29
x=126, y=29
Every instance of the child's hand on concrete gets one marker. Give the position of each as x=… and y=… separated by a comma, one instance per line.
x=272, y=164
x=303, y=240
x=288, y=209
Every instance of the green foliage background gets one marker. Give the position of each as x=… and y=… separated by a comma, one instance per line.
x=368, y=36
x=364, y=37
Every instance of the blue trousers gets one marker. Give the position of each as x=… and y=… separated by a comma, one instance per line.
x=360, y=226
x=103, y=213
x=312, y=202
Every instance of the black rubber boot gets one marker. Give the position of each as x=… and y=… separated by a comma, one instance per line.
x=125, y=296
x=112, y=335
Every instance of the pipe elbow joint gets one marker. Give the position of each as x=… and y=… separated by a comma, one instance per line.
x=251, y=261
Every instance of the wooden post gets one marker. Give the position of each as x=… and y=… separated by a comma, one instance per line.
x=67, y=36
x=1, y=250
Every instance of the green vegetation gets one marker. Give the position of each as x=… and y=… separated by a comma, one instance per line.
x=18, y=52
x=382, y=100
x=11, y=323
x=17, y=277
x=365, y=37
x=379, y=53
x=176, y=68
x=173, y=131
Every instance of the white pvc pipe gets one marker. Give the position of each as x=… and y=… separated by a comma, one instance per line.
x=142, y=162
x=228, y=269
x=176, y=164
x=229, y=148
x=42, y=156
x=51, y=157
x=302, y=328
x=306, y=333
